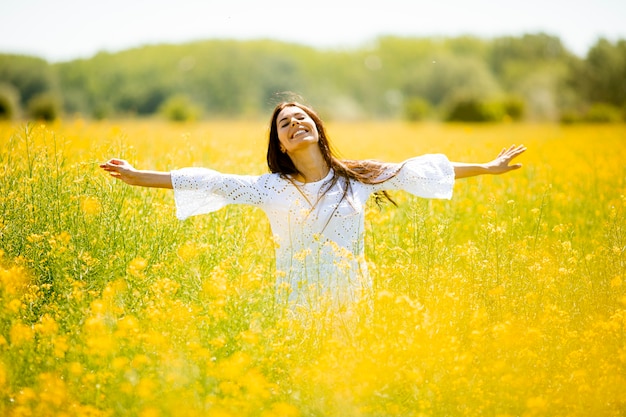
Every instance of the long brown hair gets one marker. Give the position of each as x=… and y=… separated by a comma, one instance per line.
x=366, y=171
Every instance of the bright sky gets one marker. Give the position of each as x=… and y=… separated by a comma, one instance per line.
x=59, y=30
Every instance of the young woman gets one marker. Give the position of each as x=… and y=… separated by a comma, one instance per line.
x=314, y=201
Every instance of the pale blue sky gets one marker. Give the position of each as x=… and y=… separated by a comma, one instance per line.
x=60, y=30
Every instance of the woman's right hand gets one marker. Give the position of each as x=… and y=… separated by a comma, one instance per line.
x=120, y=169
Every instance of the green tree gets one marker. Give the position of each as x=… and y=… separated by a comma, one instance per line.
x=416, y=109
x=508, y=52
x=9, y=102
x=475, y=110
x=602, y=75
x=180, y=108
x=449, y=77
x=29, y=75
x=45, y=106
x=244, y=78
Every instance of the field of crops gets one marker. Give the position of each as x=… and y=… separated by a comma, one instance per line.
x=508, y=300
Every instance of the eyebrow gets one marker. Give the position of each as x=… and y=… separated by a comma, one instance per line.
x=297, y=113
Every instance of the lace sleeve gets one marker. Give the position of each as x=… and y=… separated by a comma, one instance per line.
x=202, y=190
x=427, y=176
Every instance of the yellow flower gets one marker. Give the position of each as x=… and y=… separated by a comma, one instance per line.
x=216, y=286
x=52, y=389
x=536, y=404
x=301, y=256
x=100, y=345
x=60, y=241
x=3, y=376
x=146, y=388
x=87, y=259
x=113, y=289
x=99, y=340
x=26, y=395
x=140, y=360
x=90, y=205
x=283, y=288
x=249, y=337
x=120, y=363
x=165, y=287
x=14, y=306
x=97, y=307
x=229, y=388
x=34, y=238
x=150, y=412
x=187, y=251
x=496, y=291
x=60, y=346
x=20, y=334
x=127, y=326
x=136, y=266
x=75, y=368
x=255, y=384
x=47, y=325
x=218, y=342
x=14, y=280
x=234, y=366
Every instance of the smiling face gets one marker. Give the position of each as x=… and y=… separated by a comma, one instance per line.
x=296, y=129
x=294, y=126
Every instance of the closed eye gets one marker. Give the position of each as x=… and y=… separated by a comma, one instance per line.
x=285, y=121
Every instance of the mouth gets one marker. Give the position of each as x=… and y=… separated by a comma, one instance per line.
x=300, y=132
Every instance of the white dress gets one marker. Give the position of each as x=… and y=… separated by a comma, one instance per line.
x=319, y=236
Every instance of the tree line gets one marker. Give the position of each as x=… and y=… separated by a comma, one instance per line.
x=529, y=77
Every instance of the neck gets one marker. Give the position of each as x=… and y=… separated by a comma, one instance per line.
x=311, y=165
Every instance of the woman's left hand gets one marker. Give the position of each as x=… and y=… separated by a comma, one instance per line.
x=501, y=164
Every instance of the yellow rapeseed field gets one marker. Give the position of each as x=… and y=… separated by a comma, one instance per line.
x=508, y=300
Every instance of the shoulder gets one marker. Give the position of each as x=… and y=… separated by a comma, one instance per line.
x=271, y=182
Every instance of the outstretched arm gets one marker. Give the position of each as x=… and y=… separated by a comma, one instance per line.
x=122, y=170
x=500, y=165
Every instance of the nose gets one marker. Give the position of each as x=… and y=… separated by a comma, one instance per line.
x=294, y=122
